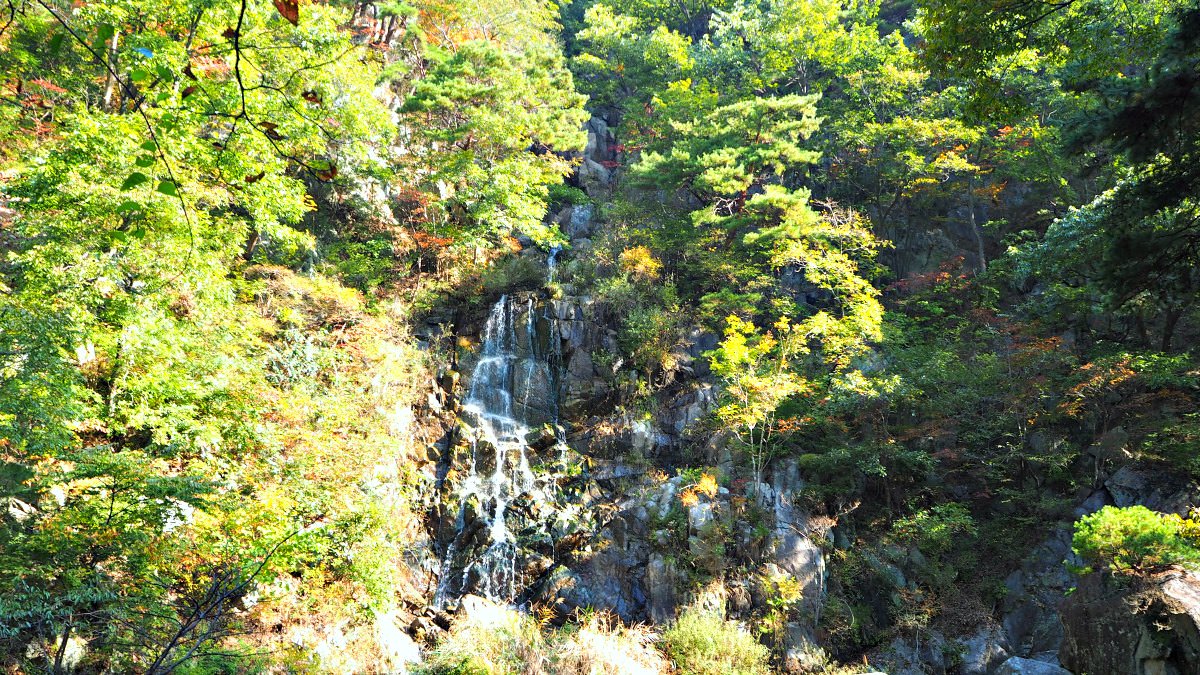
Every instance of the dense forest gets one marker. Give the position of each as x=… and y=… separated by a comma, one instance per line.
x=600, y=337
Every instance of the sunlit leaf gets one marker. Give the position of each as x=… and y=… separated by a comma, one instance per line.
x=135, y=179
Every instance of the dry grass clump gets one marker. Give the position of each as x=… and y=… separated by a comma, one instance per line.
x=489, y=639
x=492, y=640
x=602, y=646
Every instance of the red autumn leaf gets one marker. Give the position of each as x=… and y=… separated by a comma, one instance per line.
x=289, y=9
x=326, y=171
x=256, y=177
x=188, y=91
x=48, y=86
x=311, y=97
x=229, y=33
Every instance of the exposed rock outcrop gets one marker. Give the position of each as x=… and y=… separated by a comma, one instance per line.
x=1127, y=626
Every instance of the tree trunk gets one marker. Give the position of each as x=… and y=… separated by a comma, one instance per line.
x=61, y=652
x=974, y=225
x=110, y=84
x=251, y=245
x=1169, y=324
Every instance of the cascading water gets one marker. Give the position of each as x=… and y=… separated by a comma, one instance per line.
x=552, y=262
x=511, y=385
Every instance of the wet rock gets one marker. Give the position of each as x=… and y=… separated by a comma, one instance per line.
x=581, y=369
x=1022, y=666
x=611, y=577
x=541, y=438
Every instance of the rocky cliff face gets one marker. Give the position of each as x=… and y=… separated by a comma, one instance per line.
x=1133, y=626
x=554, y=489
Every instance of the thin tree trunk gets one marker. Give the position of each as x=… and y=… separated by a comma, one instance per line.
x=974, y=225
x=251, y=245
x=110, y=84
x=1172, y=319
x=61, y=652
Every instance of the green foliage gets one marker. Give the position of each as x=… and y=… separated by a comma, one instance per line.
x=512, y=273
x=1135, y=539
x=938, y=530
x=757, y=379
x=704, y=643
x=489, y=122
x=726, y=151
x=622, y=62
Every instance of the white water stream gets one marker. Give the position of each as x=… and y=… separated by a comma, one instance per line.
x=497, y=410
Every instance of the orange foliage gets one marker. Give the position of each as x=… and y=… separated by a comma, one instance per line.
x=949, y=271
x=426, y=240
x=1099, y=378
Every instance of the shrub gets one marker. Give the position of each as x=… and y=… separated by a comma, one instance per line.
x=938, y=530
x=494, y=640
x=703, y=643
x=567, y=194
x=639, y=263
x=602, y=646
x=490, y=640
x=1136, y=539
x=513, y=273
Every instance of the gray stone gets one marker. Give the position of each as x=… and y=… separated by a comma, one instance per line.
x=662, y=589
x=1031, y=606
x=1020, y=666
x=983, y=651
x=1092, y=504
x=1135, y=626
x=1126, y=486
x=579, y=225
x=917, y=657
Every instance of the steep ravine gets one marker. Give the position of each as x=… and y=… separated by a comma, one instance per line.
x=551, y=493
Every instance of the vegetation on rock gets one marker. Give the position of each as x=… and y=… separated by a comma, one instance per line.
x=815, y=324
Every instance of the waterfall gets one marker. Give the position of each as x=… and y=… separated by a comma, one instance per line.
x=552, y=262
x=506, y=377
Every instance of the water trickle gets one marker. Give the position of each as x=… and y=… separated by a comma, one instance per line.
x=552, y=262
x=497, y=407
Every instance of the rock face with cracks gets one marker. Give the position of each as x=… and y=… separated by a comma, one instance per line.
x=1114, y=625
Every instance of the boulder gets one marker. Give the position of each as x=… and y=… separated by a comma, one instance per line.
x=579, y=225
x=983, y=652
x=919, y=656
x=1133, y=626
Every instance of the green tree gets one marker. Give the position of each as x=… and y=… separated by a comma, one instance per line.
x=485, y=127
x=756, y=376
x=1136, y=539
